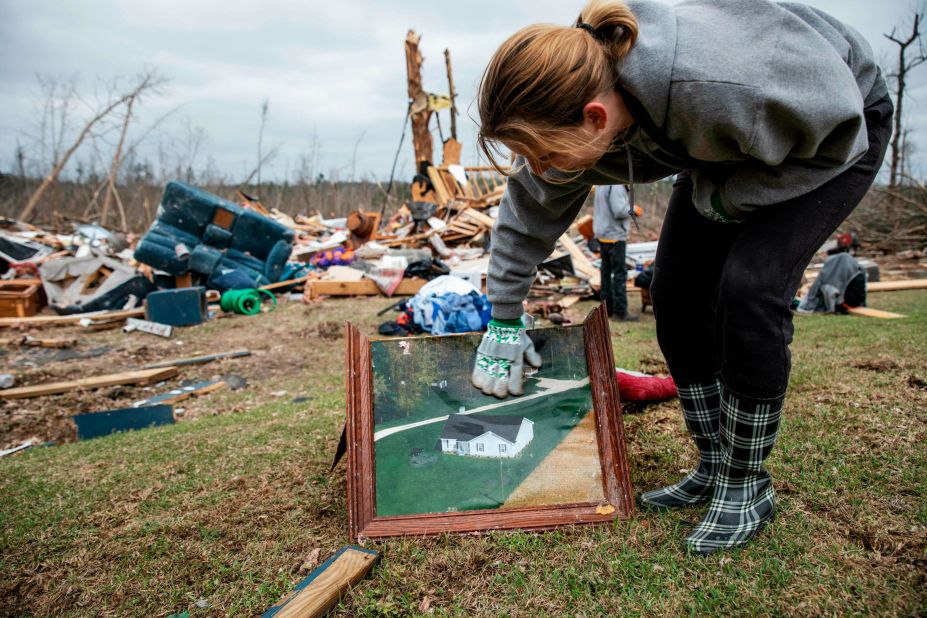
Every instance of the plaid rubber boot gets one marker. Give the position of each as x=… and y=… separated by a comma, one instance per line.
x=701, y=408
x=743, y=501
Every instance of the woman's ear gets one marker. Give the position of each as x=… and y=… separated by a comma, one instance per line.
x=595, y=113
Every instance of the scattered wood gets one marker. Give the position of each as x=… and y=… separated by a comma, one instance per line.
x=144, y=376
x=322, y=589
x=198, y=360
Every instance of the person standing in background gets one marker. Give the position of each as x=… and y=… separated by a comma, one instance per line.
x=611, y=223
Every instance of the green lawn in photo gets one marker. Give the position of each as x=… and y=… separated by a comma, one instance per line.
x=436, y=482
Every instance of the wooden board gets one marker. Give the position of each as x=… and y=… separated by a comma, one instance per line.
x=60, y=320
x=322, y=589
x=198, y=360
x=891, y=286
x=144, y=376
x=869, y=312
x=365, y=287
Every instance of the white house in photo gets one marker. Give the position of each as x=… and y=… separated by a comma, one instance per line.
x=486, y=436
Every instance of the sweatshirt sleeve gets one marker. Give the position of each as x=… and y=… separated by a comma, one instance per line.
x=533, y=214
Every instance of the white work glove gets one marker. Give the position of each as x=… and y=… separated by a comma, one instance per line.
x=500, y=359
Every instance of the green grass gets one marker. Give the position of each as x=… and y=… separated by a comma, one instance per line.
x=227, y=507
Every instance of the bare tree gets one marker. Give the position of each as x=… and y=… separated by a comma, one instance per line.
x=905, y=65
x=265, y=105
x=147, y=81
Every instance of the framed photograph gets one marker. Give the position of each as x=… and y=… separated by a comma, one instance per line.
x=428, y=453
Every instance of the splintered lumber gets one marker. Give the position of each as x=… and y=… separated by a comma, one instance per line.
x=322, y=589
x=144, y=376
x=891, y=286
x=364, y=287
x=869, y=312
x=198, y=360
x=61, y=320
x=581, y=263
x=477, y=217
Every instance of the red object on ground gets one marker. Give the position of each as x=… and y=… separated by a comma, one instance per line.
x=640, y=387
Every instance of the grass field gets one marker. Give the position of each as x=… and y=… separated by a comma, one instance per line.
x=231, y=508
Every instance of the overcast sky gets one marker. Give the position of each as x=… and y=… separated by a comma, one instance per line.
x=333, y=72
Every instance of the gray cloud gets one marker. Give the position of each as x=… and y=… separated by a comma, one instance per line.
x=334, y=73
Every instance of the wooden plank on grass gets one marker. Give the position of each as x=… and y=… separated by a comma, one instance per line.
x=869, y=312
x=144, y=376
x=891, y=286
x=319, y=592
x=60, y=320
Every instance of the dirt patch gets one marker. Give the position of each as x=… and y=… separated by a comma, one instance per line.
x=277, y=341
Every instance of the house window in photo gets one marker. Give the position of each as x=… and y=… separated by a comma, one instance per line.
x=501, y=448
x=479, y=448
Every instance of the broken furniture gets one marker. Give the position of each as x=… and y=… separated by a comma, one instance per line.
x=201, y=234
x=21, y=298
x=179, y=307
x=92, y=283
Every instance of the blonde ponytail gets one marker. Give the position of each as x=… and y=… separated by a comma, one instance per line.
x=536, y=84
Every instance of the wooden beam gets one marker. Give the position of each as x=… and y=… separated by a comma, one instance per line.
x=581, y=263
x=61, y=320
x=322, y=589
x=869, y=312
x=365, y=287
x=145, y=376
x=198, y=360
x=891, y=286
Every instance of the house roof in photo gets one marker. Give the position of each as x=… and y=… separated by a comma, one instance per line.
x=467, y=427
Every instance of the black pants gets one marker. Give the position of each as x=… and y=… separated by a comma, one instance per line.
x=722, y=292
x=614, y=278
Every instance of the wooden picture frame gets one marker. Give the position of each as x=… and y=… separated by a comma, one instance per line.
x=617, y=495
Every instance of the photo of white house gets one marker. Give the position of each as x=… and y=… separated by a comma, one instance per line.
x=486, y=436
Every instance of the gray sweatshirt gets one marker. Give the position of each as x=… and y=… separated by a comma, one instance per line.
x=760, y=101
x=611, y=213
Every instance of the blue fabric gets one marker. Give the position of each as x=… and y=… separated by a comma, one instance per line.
x=204, y=259
x=455, y=313
x=217, y=236
x=231, y=279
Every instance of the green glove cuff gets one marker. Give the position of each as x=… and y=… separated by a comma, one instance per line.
x=516, y=323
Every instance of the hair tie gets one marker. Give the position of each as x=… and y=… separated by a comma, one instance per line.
x=592, y=30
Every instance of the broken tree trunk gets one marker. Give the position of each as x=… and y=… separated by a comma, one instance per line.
x=419, y=112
